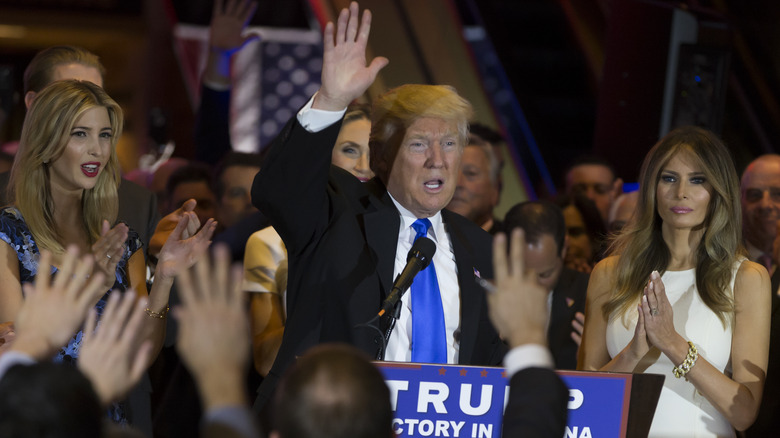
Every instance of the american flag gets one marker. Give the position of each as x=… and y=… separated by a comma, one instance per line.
x=272, y=78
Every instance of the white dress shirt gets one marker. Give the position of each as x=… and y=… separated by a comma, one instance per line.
x=399, y=347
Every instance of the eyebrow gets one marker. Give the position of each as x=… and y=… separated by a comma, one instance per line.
x=672, y=172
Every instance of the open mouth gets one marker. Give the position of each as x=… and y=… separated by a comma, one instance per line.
x=434, y=185
x=90, y=169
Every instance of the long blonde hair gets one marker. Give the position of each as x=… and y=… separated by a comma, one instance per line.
x=45, y=135
x=641, y=246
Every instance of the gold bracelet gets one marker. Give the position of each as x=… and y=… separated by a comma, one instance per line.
x=683, y=369
x=158, y=315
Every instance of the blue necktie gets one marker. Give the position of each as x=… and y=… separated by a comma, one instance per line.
x=429, y=336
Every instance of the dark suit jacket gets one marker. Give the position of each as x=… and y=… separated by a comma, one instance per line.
x=341, y=237
x=568, y=298
x=768, y=421
x=537, y=405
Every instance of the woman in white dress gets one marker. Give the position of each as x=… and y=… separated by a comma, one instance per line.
x=678, y=298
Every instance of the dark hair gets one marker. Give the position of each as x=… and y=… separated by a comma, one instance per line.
x=48, y=400
x=589, y=160
x=333, y=391
x=594, y=224
x=537, y=218
x=190, y=173
x=234, y=158
x=486, y=133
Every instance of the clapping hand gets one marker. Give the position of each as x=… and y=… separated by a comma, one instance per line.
x=345, y=75
x=184, y=246
x=108, y=250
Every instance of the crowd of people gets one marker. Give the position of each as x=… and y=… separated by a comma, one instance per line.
x=128, y=286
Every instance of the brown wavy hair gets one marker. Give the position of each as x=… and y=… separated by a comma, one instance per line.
x=641, y=246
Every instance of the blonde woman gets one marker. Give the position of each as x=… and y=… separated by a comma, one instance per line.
x=64, y=191
x=679, y=298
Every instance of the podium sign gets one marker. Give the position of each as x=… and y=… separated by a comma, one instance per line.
x=465, y=401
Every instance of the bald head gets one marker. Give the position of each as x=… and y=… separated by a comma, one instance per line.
x=760, y=189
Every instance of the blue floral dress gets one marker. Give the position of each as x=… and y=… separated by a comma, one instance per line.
x=14, y=231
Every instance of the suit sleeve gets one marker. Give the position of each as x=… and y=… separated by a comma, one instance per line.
x=212, y=125
x=292, y=187
x=537, y=404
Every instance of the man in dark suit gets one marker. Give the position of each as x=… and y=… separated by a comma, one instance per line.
x=545, y=249
x=347, y=240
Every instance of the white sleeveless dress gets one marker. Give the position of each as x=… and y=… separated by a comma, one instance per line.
x=682, y=411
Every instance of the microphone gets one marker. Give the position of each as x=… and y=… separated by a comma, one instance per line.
x=420, y=256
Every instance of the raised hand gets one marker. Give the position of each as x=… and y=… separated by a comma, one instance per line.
x=184, y=245
x=53, y=310
x=108, y=250
x=213, y=336
x=345, y=75
x=112, y=356
x=518, y=306
x=229, y=19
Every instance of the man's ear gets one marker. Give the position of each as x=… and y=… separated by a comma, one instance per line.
x=565, y=247
x=28, y=99
x=617, y=188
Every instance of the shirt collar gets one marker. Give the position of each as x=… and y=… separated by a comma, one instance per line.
x=408, y=218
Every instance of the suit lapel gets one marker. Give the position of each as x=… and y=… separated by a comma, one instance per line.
x=382, y=225
x=470, y=293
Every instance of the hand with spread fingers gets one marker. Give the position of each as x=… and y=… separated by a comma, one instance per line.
x=108, y=250
x=518, y=306
x=166, y=226
x=345, y=75
x=228, y=20
x=213, y=339
x=113, y=354
x=185, y=245
x=53, y=310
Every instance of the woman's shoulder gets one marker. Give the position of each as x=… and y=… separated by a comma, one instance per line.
x=745, y=269
x=12, y=224
x=606, y=266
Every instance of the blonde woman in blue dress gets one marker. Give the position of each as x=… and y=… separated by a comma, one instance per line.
x=679, y=298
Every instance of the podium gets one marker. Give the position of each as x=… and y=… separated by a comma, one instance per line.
x=431, y=400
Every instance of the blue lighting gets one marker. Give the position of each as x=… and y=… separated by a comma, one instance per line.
x=697, y=78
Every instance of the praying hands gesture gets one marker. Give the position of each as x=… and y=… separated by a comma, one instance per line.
x=345, y=75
